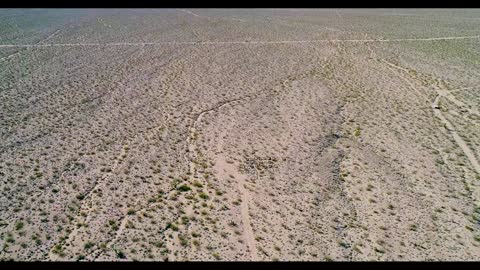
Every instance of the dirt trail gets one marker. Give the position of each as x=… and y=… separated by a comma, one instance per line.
x=225, y=169
x=245, y=212
x=394, y=66
x=443, y=92
x=448, y=95
x=50, y=36
x=240, y=42
x=437, y=112
x=412, y=86
x=192, y=129
x=466, y=150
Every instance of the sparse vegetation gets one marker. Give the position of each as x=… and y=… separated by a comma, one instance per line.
x=239, y=135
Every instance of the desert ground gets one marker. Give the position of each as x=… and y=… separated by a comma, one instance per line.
x=239, y=135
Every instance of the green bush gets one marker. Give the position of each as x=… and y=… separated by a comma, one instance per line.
x=19, y=225
x=357, y=132
x=120, y=254
x=88, y=245
x=184, y=188
x=203, y=196
x=172, y=226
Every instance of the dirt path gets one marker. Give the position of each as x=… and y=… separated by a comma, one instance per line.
x=394, y=66
x=448, y=95
x=9, y=56
x=193, y=129
x=438, y=113
x=239, y=42
x=227, y=169
x=466, y=150
x=412, y=86
x=245, y=212
x=50, y=36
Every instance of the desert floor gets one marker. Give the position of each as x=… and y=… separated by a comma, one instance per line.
x=257, y=134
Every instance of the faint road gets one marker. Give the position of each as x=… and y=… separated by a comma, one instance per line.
x=239, y=42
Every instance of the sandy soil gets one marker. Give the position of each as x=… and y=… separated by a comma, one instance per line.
x=239, y=135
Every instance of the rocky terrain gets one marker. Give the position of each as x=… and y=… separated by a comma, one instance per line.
x=262, y=134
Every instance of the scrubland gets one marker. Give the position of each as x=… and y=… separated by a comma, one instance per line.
x=239, y=135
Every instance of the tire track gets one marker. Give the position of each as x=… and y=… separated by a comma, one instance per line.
x=437, y=112
x=448, y=95
x=443, y=92
x=463, y=145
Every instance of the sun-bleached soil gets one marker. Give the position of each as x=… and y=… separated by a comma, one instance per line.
x=262, y=134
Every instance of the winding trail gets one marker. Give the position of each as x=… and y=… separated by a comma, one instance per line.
x=192, y=166
x=230, y=168
x=192, y=129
